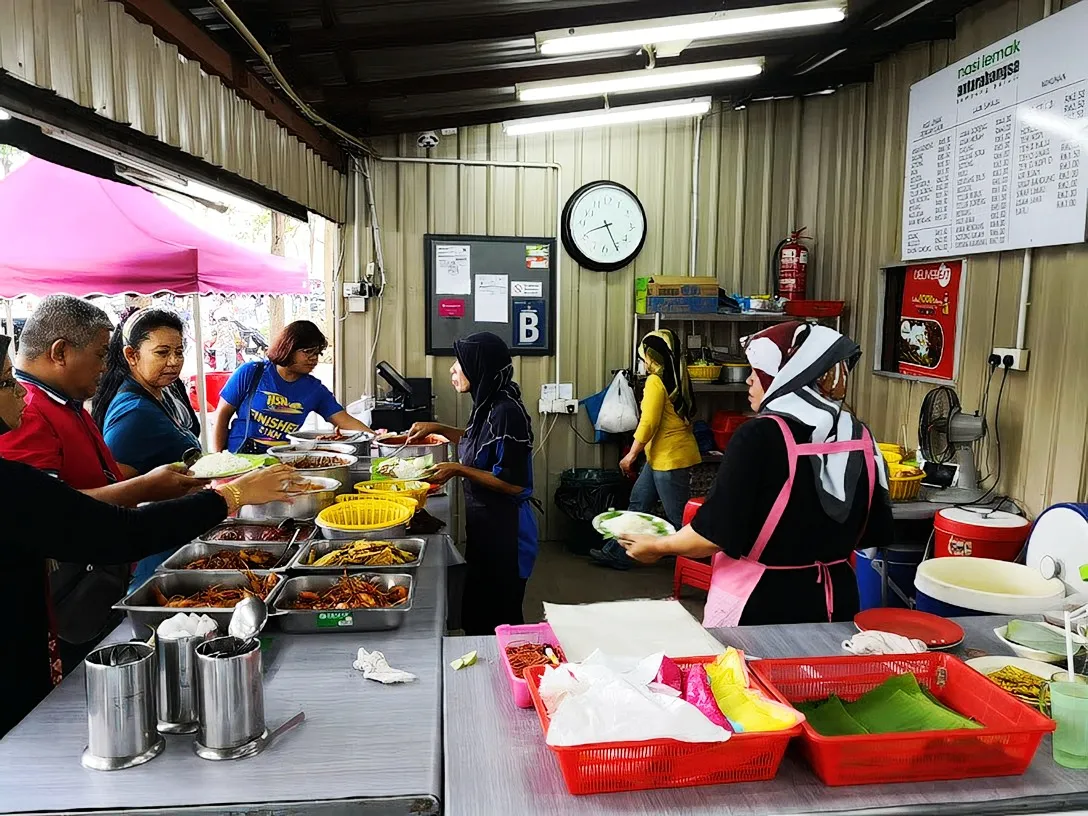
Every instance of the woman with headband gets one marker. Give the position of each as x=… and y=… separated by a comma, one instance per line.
x=141, y=405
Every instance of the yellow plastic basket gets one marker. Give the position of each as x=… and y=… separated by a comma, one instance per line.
x=904, y=482
x=707, y=373
x=397, y=498
x=365, y=514
x=397, y=487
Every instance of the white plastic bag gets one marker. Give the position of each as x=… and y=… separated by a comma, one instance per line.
x=619, y=410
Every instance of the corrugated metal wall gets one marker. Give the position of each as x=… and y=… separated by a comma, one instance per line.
x=833, y=163
x=92, y=53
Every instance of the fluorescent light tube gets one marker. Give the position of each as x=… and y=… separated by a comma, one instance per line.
x=677, y=76
x=717, y=25
x=612, y=116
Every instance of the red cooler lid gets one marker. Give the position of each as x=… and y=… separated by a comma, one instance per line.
x=987, y=525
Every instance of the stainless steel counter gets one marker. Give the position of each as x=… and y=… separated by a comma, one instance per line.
x=497, y=762
x=364, y=748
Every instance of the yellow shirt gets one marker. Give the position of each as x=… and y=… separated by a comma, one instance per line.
x=670, y=444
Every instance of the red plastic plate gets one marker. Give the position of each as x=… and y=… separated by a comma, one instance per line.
x=934, y=631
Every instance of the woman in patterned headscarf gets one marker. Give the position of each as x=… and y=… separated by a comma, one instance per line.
x=799, y=488
x=664, y=433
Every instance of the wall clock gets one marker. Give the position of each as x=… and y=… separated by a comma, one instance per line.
x=604, y=226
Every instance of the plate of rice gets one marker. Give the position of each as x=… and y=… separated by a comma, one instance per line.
x=222, y=466
x=616, y=523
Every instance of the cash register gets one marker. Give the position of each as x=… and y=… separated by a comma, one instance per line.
x=408, y=400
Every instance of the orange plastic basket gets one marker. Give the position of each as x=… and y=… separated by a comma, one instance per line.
x=1004, y=746
x=610, y=767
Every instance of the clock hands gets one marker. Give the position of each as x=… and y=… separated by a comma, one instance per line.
x=609, y=228
x=605, y=226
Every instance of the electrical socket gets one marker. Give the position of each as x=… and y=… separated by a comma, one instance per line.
x=1019, y=358
x=352, y=289
x=357, y=305
x=558, y=406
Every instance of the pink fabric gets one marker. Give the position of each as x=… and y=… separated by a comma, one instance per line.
x=733, y=581
x=62, y=231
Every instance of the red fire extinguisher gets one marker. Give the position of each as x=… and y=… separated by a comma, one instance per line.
x=789, y=266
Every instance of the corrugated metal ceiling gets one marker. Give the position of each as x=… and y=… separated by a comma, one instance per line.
x=378, y=67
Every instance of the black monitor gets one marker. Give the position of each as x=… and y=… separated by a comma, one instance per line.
x=400, y=386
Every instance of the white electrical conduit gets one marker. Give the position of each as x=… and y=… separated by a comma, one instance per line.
x=697, y=140
x=1029, y=257
x=236, y=23
x=558, y=223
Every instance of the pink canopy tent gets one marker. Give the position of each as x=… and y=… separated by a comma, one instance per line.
x=65, y=231
x=62, y=231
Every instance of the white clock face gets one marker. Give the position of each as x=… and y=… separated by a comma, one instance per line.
x=607, y=225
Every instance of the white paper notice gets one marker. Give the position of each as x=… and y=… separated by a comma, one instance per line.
x=527, y=289
x=491, y=299
x=452, y=270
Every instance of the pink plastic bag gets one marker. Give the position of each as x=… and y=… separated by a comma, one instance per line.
x=697, y=692
x=670, y=675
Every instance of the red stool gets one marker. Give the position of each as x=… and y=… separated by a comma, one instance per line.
x=689, y=571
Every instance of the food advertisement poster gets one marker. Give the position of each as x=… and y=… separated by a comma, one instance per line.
x=928, y=320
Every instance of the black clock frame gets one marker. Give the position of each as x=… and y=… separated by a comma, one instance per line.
x=568, y=237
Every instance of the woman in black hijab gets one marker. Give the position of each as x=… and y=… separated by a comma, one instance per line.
x=496, y=463
x=83, y=529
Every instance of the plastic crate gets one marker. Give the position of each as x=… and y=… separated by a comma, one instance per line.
x=1004, y=746
x=611, y=767
x=527, y=633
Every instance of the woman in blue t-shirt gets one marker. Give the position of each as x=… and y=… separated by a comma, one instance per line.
x=141, y=405
x=269, y=400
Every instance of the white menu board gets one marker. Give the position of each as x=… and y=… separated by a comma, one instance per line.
x=997, y=145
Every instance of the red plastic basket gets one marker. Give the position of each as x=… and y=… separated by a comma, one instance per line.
x=611, y=767
x=815, y=308
x=1004, y=746
x=525, y=633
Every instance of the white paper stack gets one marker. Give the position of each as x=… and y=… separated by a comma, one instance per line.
x=629, y=629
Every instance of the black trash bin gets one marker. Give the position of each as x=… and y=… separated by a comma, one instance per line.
x=583, y=494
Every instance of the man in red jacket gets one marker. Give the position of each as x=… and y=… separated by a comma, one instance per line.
x=62, y=356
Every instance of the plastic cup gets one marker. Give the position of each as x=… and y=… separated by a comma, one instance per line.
x=1069, y=707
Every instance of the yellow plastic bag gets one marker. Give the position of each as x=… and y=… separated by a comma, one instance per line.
x=742, y=705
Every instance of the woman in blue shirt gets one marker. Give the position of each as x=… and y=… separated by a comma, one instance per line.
x=141, y=405
x=496, y=463
x=269, y=400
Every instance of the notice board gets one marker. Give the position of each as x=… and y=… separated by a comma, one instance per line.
x=997, y=146
x=501, y=284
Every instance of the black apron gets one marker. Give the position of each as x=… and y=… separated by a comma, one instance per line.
x=494, y=588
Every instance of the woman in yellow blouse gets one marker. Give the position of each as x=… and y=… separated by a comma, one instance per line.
x=664, y=434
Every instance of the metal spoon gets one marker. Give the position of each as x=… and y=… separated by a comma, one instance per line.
x=248, y=619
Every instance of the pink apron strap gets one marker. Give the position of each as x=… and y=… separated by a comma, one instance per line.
x=779, y=506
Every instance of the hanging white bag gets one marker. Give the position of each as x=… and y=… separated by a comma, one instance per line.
x=619, y=410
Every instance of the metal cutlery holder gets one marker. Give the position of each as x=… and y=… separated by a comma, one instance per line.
x=178, y=709
x=230, y=694
x=121, y=716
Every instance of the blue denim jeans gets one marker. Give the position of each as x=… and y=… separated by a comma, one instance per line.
x=672, y=487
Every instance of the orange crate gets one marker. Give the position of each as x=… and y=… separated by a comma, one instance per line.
x=1004, y=746
x=611, y=767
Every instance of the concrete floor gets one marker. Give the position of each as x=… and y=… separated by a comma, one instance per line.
x=563, y=577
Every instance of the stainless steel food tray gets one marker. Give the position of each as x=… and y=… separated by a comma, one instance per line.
x=283, y=553
x=144, y=611
x=323, y=547
x=307, y=527
x=338, y=620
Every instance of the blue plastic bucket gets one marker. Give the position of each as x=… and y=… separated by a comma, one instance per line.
x=902, y=564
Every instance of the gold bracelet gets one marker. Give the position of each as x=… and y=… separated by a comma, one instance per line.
x=232, y=496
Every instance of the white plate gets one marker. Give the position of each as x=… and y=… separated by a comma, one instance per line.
x=991, y=663
x=1034, y=654
x=669, y=529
